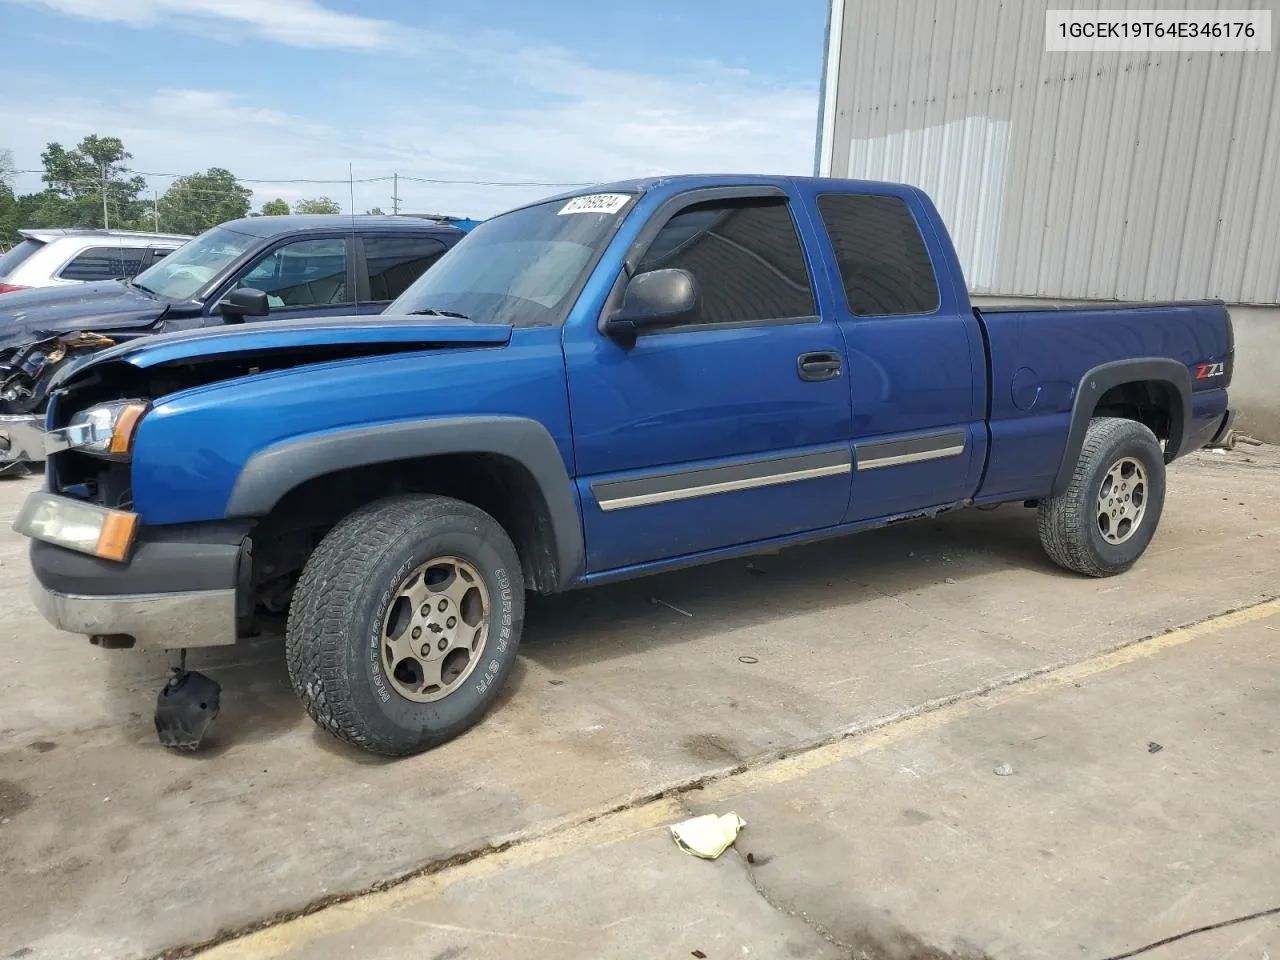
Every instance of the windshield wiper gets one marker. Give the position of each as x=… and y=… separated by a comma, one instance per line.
x=428, y=311
x=138, y=286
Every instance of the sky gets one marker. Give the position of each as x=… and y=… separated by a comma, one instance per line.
x=544, y=91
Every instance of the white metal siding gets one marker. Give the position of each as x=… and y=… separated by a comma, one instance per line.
x=1068, y=175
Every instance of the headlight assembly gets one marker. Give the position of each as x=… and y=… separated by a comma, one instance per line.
x=76, y=525
x=104, y=430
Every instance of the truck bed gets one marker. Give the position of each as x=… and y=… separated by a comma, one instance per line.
x=1037, y=358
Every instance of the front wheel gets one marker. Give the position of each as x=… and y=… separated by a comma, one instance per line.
x=1103, y=522
x=405, y=622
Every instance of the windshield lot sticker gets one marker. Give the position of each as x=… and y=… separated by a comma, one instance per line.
x=596, y=203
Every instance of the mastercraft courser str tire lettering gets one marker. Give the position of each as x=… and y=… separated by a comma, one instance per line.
x=405, y=623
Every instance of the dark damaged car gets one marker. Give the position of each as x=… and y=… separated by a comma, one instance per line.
x=273, y=267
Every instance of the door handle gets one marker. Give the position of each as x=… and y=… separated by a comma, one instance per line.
x=822, y=365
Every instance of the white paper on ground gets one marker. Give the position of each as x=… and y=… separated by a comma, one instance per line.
x=707, y=836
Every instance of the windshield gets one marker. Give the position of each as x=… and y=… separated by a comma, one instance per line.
x=189, y=269
x=522, y=268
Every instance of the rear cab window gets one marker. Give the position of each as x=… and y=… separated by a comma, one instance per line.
x=395, y=262
x=882, y=258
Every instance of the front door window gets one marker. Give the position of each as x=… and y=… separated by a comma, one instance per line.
x=305, y=273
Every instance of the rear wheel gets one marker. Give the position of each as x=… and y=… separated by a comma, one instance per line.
x=405, y=623
x=1108, y=514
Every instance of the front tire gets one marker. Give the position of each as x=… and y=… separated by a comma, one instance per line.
x=405, y=623
x=1103, y=522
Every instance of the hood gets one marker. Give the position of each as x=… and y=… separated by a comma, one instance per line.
x=32, y=314
x=303, y=340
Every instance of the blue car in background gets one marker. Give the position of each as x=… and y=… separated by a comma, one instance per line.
x=253, y=268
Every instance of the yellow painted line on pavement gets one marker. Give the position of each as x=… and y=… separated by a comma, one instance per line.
x=291, y=937
x=894, y=730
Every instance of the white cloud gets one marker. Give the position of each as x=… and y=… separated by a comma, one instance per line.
x=299, y=23
x=226, y=111
x=510, y=112
x=589, y=123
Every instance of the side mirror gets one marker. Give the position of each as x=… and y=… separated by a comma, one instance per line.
x=654, y=299
x=244, y=302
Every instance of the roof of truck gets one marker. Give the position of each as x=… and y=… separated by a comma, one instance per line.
x=643, y=184
x=691, y=181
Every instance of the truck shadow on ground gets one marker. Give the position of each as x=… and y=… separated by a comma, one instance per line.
x=598, y=624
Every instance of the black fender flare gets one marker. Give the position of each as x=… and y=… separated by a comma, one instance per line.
x=1102, y=378
x=273, y=472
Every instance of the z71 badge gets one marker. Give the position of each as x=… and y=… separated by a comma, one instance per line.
x=1205, y=371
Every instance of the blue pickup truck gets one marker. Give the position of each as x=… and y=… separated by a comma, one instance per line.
x=606, y=384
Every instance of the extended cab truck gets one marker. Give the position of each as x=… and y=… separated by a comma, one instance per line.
x=648, y=375
x=301, y=266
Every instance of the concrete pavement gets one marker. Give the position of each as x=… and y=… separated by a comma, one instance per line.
x=903, y=844
x=114, y=847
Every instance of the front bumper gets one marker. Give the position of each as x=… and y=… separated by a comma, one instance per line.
x=198, y=618
x=182, y=586
x=21, y=439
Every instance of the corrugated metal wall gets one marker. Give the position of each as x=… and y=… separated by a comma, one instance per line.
x=1101, y=176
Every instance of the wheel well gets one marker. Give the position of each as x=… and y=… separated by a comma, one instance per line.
x=498, y=485
x=1150, y=402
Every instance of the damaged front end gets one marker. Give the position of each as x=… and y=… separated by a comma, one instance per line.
x=112, y=560
x=25, y=374
x=25, y=371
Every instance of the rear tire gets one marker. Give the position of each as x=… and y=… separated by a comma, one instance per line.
x=1103, y=522
x=405, y=623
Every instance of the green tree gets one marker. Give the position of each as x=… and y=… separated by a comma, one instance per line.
x=318, y=205
x=8, y=218
x=198, y=201
x=43, y=209
x=374, y=212
x=275, y=208
x=94, y=182
x=8, y=202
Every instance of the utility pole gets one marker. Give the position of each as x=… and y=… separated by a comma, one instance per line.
x=395, y=194
x=106, y=220
x=155, y=207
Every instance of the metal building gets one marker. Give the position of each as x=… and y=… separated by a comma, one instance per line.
x=1098, y=176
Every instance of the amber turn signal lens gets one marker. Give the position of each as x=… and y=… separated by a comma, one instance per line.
x=117, y=535
x=126, y=427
